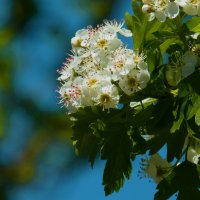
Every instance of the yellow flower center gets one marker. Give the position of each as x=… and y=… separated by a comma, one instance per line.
x=91, y=82
x=193, y=1
x=132, y=82
x=102, y=43
x=105, y=98
x=119, y=64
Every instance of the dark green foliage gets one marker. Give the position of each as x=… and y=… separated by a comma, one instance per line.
x=169, y=117
x=116, y=149
x=184, y=179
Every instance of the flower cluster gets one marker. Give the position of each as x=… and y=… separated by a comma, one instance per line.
x=101, y=68
x=161, y=9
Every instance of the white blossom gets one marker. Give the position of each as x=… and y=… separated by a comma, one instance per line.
x=107, y=96
x=191, y=7
x=160, y=9
x=134, y=81
x=99, y=66
x=121, y=62
x=156, y=168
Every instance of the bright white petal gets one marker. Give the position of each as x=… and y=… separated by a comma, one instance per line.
x=181, y=2
x=125, y=32
x=172, y=10
x=160, y=16
x=151, y=16
x=190, y=9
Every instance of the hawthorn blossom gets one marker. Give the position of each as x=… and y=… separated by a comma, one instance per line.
x=154, y=167
x=160, y=9
x=134, y=81
x=100, y=68
x=191, y=7
x=107, y=96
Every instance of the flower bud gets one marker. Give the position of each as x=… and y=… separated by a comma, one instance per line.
x=147, y=9
x=172, y=75
x=76, y=42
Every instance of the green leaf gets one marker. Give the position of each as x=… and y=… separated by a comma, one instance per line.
x=167, y=43
x=194, y=24
x=159, y=125
x=176, y=124
x=175, y=143
x=85, y=141
x=197, y=117
x=137, y=24
x=167, y=187
x=193, y=80
x=129, y=21
x=116, y=149
x=185, y=179
x=137, y=10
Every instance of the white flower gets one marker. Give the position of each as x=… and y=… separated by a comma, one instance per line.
x=195, y=35
x=91, y=86
x=113, y=26
x=121, y=62
x=100, y=62
x=161, y=9
x=134, y=81
x=191, y=7
x=156, y=168
x=81, y=41
x=107, y=96
x=71, y=94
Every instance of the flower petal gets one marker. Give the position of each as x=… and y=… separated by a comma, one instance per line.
x=172, y=10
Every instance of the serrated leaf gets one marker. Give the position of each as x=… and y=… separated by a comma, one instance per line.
x=116, y=150
x=85, y=142
x=184, y=178
x=160, y=125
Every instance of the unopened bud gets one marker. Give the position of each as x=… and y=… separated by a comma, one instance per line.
x=147, y=8
x=76, y=42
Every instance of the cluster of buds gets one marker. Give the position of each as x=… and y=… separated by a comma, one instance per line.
x=101, y=69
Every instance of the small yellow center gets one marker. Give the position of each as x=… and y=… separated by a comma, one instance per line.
x=162, y=3
x=193, y=1
x=196, y=49
x=102, y=43
x=105, y=98
x=91, y=82
x=119, y=64
x=132, y=82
